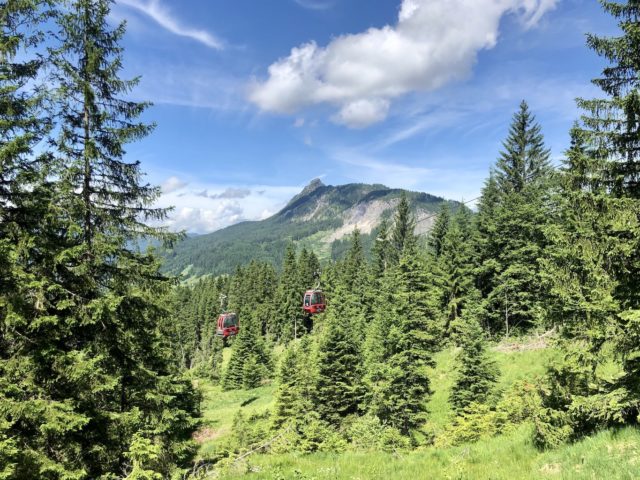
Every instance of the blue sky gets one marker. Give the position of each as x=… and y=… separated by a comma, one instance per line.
x=254, y=98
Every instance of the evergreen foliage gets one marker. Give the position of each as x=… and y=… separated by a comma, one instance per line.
x=289, y=314
x=476, y=373
x=381, y=250
x=514, y=209
x=403, y=229
x=487, y=264
x=85, y=367
x=399, y=383
x=97, y=345
x=595, y=250
x=439, y=230
x=455, y=266
x=296, y=385
x=339, y=390
x=249, y=361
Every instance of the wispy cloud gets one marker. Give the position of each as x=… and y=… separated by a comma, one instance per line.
x=172, y=184
x=189, y=85
x=364, y=168
x=316, y=4
x=163, y=17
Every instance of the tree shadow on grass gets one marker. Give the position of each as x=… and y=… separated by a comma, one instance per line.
x=249, y=401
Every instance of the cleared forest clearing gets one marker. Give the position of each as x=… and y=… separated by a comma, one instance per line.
x=613, y=454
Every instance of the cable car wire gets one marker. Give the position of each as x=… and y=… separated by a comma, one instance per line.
x=527, y=177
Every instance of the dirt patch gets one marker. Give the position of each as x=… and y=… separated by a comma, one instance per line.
x=206, y=435
x=551, y=469
x=536, y=342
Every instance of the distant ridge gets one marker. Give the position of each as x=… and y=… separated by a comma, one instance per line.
x=320, y=217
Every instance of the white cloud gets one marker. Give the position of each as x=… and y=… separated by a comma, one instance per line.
x=163, y=17
x=362, y=113
x=232, y=193
x=434, y=42
x=204, y=208
x=172, y=184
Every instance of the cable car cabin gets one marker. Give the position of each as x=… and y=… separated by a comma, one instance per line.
x=314, y=302
x=227, y=325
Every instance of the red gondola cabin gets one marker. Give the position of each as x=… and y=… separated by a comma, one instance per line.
x=227, y=325
x=314, y=302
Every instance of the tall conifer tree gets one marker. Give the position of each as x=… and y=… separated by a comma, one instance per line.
x=440, y=229
x=381, y=249
x=99, y=362
x=594, y=254
x=522, y=176
x=456, y=265
x=476, y=373
x=400, y=386
x=289, y=314
x=339, y=390
x=403, y=228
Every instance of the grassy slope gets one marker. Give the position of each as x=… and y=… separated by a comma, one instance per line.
x=219, y=408
x=614, y=455
x=611, y=455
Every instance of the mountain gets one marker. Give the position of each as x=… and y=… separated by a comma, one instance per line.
x=320, y=217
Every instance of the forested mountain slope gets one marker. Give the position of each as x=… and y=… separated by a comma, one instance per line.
x=319, y=217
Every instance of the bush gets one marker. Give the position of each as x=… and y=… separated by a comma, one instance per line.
x=519, y=404
x=393, y=440
x=369, y=433
x=365, y=432
x=475, y=422
x=249, y=431
x=552, y=428
x=310, y=434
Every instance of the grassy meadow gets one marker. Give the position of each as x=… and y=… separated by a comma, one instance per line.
x=609, y=454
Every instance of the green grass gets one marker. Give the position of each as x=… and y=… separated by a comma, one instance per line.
x=611, y=454
x=513, y=366
x=219, y=408
x=608, y=455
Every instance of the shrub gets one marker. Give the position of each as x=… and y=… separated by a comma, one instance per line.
x=475, y=422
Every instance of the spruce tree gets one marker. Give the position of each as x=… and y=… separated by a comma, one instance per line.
x=294, y=398
x=612, y=126
x=403, y=229
x=339, y=390
x=34, y=421
x=288, y=322
x=248, y=347
x=355, y=277
x=400, y=386
x=439, y=230
x=525, y=157
x=308, y=268
x=95, y=372
x=381, y=249
x=354, y=264
x=486, y=244
x=594, y=251
x=455, y=265
x=523, y=177
x=476, y=373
